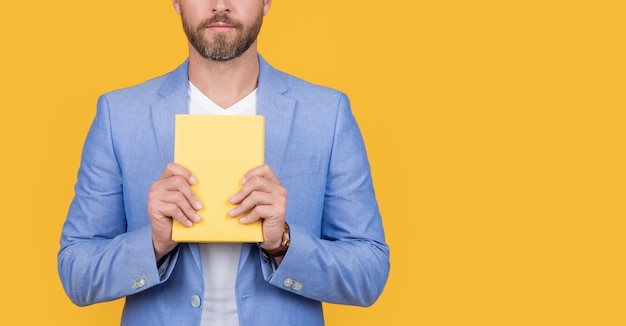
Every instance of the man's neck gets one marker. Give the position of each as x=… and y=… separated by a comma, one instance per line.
x=225, y=82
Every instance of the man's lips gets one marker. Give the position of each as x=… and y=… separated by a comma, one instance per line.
x=220, y=25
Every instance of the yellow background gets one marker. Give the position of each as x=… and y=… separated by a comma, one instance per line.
x=495, y=130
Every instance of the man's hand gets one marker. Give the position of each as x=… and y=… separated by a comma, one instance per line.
x=262, y=197
x=171, y=198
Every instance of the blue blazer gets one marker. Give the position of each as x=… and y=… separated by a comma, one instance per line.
x=338, y=252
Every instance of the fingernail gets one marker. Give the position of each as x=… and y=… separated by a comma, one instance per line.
x=231, y=213
x=197, y=205
x=192, y=180
x=243, y=180
x=197, y=218
x=188, y=223
x=243, y=220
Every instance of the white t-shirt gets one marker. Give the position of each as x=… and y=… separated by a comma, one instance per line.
x=220, y=261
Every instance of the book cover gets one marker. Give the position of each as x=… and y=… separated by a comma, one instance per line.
x=218, y=150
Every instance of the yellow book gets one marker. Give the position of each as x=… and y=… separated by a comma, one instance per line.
x=218, y=150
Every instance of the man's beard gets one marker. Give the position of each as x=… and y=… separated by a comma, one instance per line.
x=221, y=49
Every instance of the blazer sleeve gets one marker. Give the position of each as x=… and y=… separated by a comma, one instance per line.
x=349, y=263
x=98, y=259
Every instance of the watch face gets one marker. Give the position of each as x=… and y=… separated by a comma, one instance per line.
x=286, y=241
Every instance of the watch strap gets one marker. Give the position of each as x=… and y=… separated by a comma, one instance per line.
x=282, y=249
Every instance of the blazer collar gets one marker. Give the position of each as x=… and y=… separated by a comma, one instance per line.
x=272, y=103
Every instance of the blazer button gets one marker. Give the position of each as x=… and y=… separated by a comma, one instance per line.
x=297, y=286
x=140, y=282
x=288, y=282
x=195, y=301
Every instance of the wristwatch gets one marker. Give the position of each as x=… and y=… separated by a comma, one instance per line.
x=282, y=249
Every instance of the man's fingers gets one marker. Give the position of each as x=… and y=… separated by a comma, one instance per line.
x=172, y=207
x=259, y=184
x=171, y=198
x=182, y=205
x=270, y=214
x=173, y=169
x=261, y=171
x=260, y=205
x=256, y=198
x=175, y=183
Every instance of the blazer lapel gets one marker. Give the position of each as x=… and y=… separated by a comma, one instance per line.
x=173, y=100
x=278, y=110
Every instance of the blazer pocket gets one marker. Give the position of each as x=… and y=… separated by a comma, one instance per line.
x=300, y=166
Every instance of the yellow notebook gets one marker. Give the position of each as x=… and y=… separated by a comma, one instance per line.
x=218, y=150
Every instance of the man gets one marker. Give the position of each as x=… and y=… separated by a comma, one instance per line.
x=323, y=236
